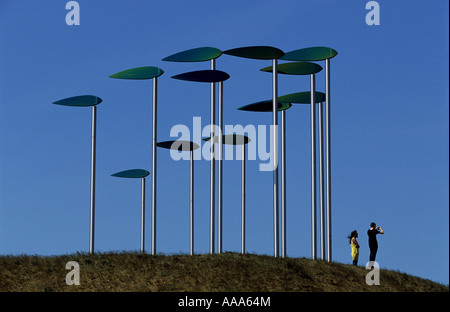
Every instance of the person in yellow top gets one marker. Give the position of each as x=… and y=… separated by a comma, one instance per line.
x=355, y=246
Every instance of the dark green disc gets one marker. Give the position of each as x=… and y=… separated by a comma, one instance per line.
x=264, y=106
x=302, y=97
x=204, y=76
x=81, y=100
x=232, y=139
x=256, y=52
x=179, y=145
x=310, y=54
x=139, y=73
x=296, y=68
x=194, y=55
x=132, y=173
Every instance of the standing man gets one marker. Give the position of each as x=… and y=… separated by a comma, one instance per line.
x=373, y=244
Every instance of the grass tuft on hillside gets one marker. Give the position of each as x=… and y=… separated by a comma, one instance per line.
x=227, y=272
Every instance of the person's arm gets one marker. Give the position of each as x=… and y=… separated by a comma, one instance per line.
x=381, y=230
x=355, y=242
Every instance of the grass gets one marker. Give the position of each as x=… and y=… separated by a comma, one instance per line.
x=227, y=272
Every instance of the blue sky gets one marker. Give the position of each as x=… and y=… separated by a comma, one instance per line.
x=390, y=125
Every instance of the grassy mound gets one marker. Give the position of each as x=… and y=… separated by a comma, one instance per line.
x=133, y=272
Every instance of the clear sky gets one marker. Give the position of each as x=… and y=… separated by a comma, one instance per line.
x=390, y=125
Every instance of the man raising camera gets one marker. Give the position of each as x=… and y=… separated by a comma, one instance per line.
x=373, y=244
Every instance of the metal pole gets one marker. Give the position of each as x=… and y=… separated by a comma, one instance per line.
x=313, y=169
x=321, y=190
x=328, y=147
x=154, y=140
x=220, y=178
x=93, y=156
x=275, y=153
x=192, y=204
x=212, y=175
x=143, y=216
x=243, y=201
x=283, y=183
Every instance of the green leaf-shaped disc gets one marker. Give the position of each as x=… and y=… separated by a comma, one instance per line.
x=302, y=97
x=232, y=139
x=264, y=106
x=256, y=52
x=310, y=54
x=132, y=173
x=296, y=68
x=81, y=100
x=139, y=73
x=179, y=145
x=194, y=55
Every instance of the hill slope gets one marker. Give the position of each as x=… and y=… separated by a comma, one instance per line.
x=226, y=272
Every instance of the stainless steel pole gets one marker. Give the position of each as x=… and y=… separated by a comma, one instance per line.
x=212, y=175
x=93, y=156
x=313, y=169
x=275, y=153
x=283, y=183
x=328, y=152
x=220, y=178
x=143, y=216
x=154, y=140
x=192, y=204
x=243, y=201
x=321, y=185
